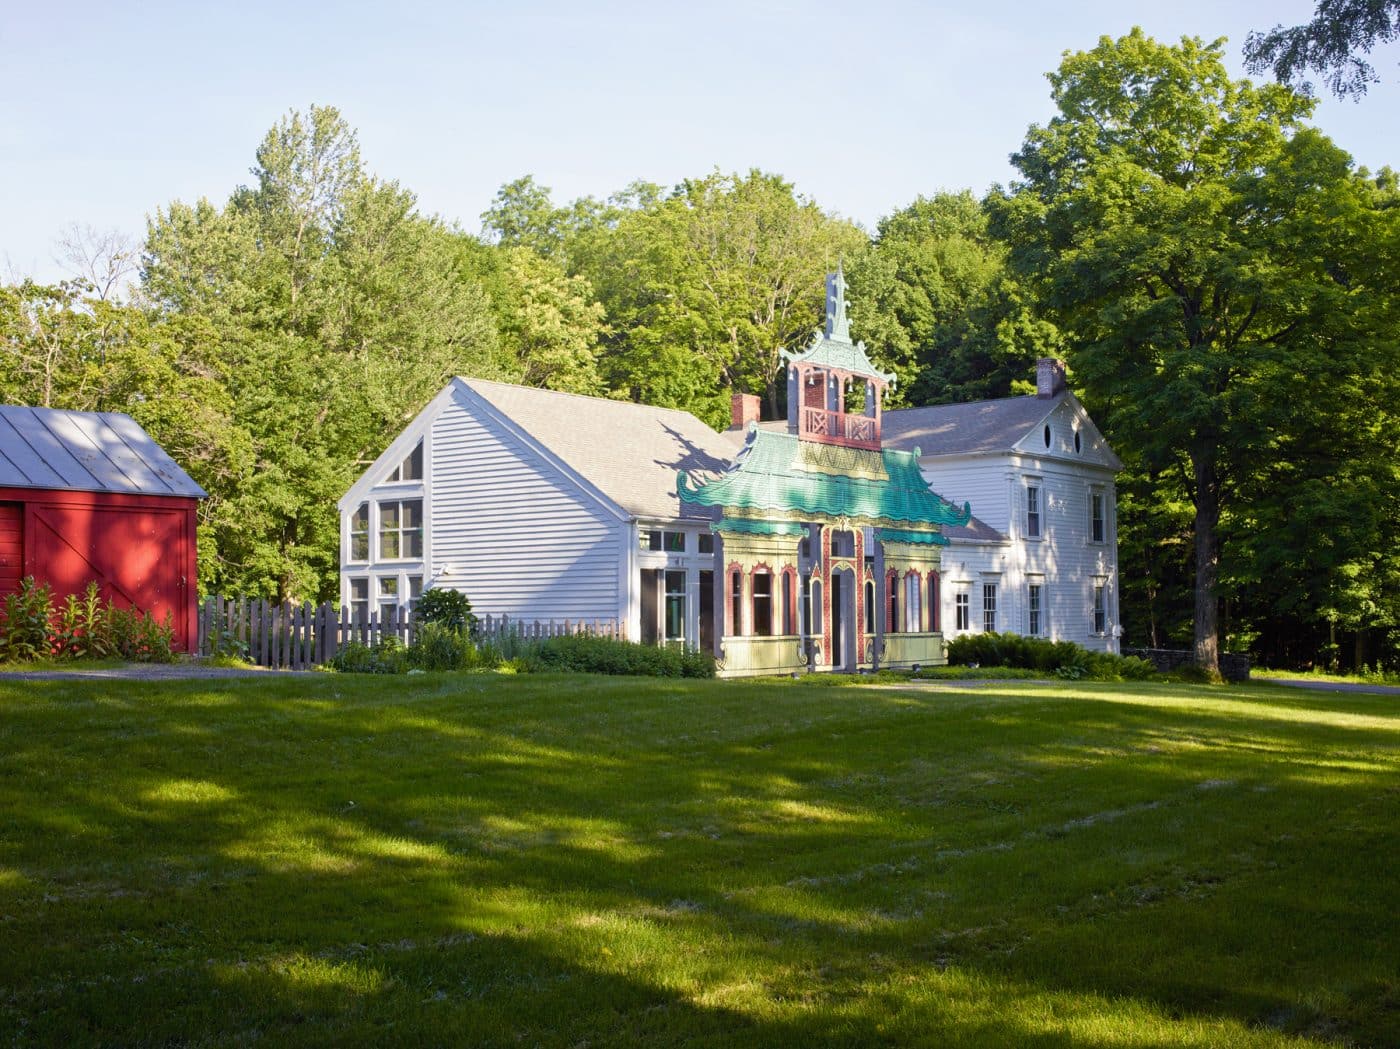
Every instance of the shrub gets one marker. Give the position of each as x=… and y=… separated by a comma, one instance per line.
x=81, y=631
x=588, y=654
x=24, y=633
x=447, y=608
x=83, y=628
x=385, y=656
x=439, y=647
x=1064, y=659
x=137, y=637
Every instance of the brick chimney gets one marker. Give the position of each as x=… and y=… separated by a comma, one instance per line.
x=1049, y=377
x=743, y=409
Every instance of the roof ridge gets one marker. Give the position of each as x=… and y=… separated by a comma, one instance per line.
x=582, y=396
x=982, y=400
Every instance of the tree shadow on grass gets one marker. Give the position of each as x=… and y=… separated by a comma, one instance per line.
x=815, y=871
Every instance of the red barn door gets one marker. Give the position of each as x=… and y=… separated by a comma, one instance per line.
x=137, y=554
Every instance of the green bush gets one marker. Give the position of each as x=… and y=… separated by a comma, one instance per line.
x=588, y=654
x=446, y=608
x=439, y=647
x=25, y=633
x=1064, y=659
x=385, y=656
x=83, y=628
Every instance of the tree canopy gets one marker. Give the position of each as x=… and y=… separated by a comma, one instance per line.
x=1203, y=250
x=1327, y=45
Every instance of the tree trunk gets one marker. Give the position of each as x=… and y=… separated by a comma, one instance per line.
x=1207, y=646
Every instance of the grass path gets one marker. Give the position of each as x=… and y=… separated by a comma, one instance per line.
x=568, y=860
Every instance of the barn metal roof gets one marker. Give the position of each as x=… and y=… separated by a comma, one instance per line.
x=85, y=451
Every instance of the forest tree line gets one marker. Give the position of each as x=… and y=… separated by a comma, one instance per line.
x=1222, y=281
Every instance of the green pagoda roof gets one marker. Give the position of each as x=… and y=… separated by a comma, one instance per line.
x=832, y=347
x=777, y=473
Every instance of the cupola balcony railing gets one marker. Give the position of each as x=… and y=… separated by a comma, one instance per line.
x=860, y=431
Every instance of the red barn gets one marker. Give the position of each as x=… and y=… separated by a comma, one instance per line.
x=88, y=496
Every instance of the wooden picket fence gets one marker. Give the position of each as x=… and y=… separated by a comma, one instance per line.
x=296, y=637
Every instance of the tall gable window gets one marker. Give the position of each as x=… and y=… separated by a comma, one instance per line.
x=401, y=529
x=359, y=533
x=1096, y=517
x=411, y=469
x=1033, y=509
x=675, y=605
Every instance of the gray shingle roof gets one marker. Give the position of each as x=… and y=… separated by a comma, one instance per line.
x=977, y=426
x=629, y=452
x=85, y=451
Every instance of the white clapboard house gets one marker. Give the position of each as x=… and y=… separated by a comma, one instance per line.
x=542, y=505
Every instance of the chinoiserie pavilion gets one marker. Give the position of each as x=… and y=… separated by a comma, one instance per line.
x=829, y=542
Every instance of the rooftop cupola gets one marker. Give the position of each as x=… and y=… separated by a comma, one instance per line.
x=833, y=388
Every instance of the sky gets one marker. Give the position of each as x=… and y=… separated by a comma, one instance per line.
x=114, y=109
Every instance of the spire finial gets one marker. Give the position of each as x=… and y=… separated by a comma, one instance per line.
x=837, y=326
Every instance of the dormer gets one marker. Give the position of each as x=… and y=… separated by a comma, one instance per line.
x=834, y=390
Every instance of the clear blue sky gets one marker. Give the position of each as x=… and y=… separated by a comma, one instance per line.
x=113, y=110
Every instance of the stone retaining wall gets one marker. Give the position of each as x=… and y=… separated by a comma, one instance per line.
x=1233, y=667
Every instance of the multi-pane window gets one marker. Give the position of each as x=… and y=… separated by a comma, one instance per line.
x=913, y=605
x=962, y=611
x=1032, y=510
x=401, y=529
x=1096, y=520
x=415, y=591
x=411, y=469
x=359, y=533
x=1100, y=609
x=762, y=604
x=989, y=607
x=675, y=606
x=655, y=539
x=1035, y=609
x=388, y=596
x=359, y=600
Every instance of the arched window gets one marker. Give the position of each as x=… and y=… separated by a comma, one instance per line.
x=870, y=606
x=935, y=602
x=892, y=624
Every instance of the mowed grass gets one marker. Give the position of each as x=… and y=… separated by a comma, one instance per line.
x=569, y=861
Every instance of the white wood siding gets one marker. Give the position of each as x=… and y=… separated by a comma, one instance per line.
x=512, y=531
x=1064, y=560
x=979, y=480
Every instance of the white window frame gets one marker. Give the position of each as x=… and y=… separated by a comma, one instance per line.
x=1098, y=607
x=962, y=612
x=368, y=533
x=1097, y=493
x=1034, y=485
x=989, y=606
x=379, y=528
x=913, y=603
x=1037, y=608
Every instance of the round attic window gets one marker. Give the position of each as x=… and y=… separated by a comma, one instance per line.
x=1076, y=440
x=1047, y=436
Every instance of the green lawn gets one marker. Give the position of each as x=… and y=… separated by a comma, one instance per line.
x=569, y=861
